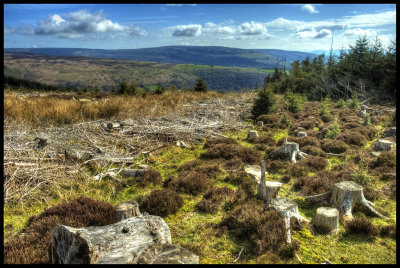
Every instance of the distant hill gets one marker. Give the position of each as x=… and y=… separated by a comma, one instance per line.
x=78, y=71
x=204, y=55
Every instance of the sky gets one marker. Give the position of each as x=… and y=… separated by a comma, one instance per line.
x=300, y=27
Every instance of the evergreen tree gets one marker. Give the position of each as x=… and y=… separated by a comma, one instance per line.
x=265, y=103
x=200, y=86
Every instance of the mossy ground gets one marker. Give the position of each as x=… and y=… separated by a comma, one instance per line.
x=191, y=229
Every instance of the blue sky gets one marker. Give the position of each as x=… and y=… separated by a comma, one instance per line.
x=302, y=27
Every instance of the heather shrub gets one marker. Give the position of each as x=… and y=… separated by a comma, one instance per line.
x=335, y=146
x=211, y=142
x=233, y=164
x=311, y=150
x=263, y=229
x=315, y=163
x=268, y=118
x=387, y=159
x=353, y=138
x=189, y=182
x=296, y=170
x=230, y=151
x=362, y=225
x=276, y=165
x=319, y=183
x=236, y=178
x=214, y=198
x=161, y=202
x=149, y=176
x=388, y=231
x=209, y=169
x=32, y=247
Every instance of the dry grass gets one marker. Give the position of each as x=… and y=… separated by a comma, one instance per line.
x=51, y=110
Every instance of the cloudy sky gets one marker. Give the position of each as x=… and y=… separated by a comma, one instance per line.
x=302, y=27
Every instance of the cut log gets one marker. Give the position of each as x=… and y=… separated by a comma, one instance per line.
x=383, y=145
x=289, y=149
x=345, y=195
x=118, y=243
x=127, y=210
x=289, y=211
x=326, y=219
x=167, y=254
x=112, y=125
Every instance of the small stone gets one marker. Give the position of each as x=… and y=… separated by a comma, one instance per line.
x=301, y=134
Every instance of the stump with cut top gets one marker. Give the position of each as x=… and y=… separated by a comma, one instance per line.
x=267, y=190
x=127, y=210
x=343, y=196
x=289, y=149
x=252, y=134
x=326, y=219
x=289, y=211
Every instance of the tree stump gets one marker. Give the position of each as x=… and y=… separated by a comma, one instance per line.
x=288, y=210
x=346, y=194
x=260, y=123
x=343, y=196
x=127, y=210
x=267, y=190
x=326, y=219
x=252, y=134
x=301, y=134
x=289, y=149
x=383, y=145
x=167, y=254
x=112, y=125
x=254, y=171
x=118, y=243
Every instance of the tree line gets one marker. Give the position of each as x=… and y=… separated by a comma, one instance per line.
x=366, y=70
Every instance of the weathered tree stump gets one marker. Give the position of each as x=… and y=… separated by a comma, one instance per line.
x=167, y=254
x=289, y=211
x=252, y=134
x=260, y=123
x=343, y=196
x=254, y=171
x=301, y=134
x=181, y=144
x=289, y=149
x=346, y=194
x=326, y=219
x=383, y=145
x=267, y=190
x=389, y=132
x=127, y=210
x=112, y=125
x=118, y=243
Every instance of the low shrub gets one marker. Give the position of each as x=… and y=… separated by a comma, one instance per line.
x=287, y=251
x=315, y=163
x=333, y=130
x=319, y=183
x=362, y=225
x=353, y=138
x=236, y=178
x=263, y=229
x=387, y=159
x=149, y=176
x=233, y=164
x=388, y=231
x=312, y=150
x=276, y=166
x=230, y=151
x=296, y=170
x=32, y=246
x=214, y=198
x=161, y=202
x=268, y=118
x=211, y=170
x=335, y=146
x=189, y=182
x=211, y=142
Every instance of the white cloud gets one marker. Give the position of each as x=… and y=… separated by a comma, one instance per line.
x=314, y=34
x=76, y=25
x=309, y=8
x=187, y=30
x=359, y=31
x=252, y=28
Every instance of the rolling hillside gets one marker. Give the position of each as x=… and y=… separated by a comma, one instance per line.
x=72, y=71
x=204, y=55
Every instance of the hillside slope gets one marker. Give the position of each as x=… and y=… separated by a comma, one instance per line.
x=71, y=71
x=206, y=55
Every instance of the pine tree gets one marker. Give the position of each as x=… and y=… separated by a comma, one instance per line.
x=265, y=103
x=200, y=86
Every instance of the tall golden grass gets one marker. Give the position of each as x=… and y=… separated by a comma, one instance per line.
x=50, y=110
